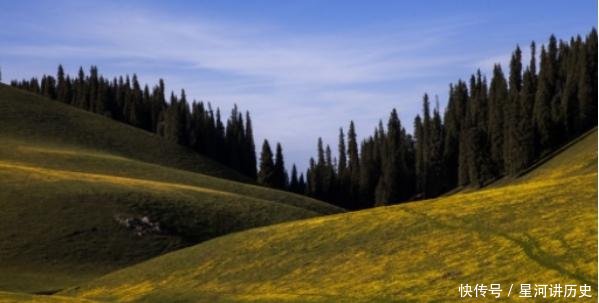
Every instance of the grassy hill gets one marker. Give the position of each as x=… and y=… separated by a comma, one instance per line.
x=9, y=297
x=31, y=117
x=82, y=195
x=541, y=228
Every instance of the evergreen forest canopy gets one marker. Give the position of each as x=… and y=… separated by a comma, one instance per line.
x=488, y=129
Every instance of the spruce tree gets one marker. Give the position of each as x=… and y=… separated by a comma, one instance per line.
x=435, y=163
x=498, y=95
x=369, y=171
x=512, y=112
x=524, y=149
x=569, y=97
x=391, y=188
x=279, y=175
x=343, y=177
x=294, y=181
x=266, y=174
x=454, y=115
x=353, y=166
x=61, y=90
x=545, y=114
x=250, y=148
x=301, y=185
x=586, y=100
x=419, y=157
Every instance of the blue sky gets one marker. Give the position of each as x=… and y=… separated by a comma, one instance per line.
x=302, y=68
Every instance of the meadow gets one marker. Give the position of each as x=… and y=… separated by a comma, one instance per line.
x=538, y=229
x=77, y=201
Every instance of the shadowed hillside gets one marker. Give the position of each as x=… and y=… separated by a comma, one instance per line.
x=82, y=195
x=541, y=229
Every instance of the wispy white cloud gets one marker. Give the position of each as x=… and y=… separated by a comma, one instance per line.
x=289, y=81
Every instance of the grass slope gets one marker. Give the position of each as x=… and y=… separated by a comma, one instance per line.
x=540, y=229
x=65, y=198
x=8, y=297
x=24, y=115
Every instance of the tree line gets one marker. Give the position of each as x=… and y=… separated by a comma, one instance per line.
x=488, y=130
x=194, y=124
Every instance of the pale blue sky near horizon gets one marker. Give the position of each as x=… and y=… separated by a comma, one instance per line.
x=302, y=68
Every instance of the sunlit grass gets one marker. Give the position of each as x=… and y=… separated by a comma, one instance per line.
x=541, y=228
x=7, y=297
x=68, y=176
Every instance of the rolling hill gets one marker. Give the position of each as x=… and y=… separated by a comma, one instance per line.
x=540, y=228
x=82, y=195
x=9, y=297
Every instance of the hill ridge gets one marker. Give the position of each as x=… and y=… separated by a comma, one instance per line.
x=541, y=228
x=82, y=196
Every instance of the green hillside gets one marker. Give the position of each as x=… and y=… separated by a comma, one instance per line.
x=539, y=229
x=8, y=297
x=28, y=116
x=82, y=195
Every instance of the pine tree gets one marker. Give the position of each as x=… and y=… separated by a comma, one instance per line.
x=591, y=45
x=219, y=139
x=93, y=85
x=525, y=128
x=545, y=114
x=435, y=163
x=279, y=175
x=353, y=166
x=512, y=112
x=342, y=153
x=369, y=171
x=477, y=148
x=569, y=97
x=390, y=187
x=61, y=90
x=426, y=142
x=454, y=114
x=294, y=181
x=158, y=104
x=266, y=174
x=301, y=185
x=48, y=87
x=343, y=177
x=586, y=99
x=328, y=176
x=250, y=148
x=233, y=139
x=498, y=95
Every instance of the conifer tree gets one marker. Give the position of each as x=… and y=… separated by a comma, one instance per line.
x=369, y=171
x=219, y=139
x=454, y=114
x=250, y=148
x=512, y=112
x=61, y=90
x=279, y=174
x=266, y=174
x=294, y=181
x=435, y=164
x=342, y=153
x=343, y=177
x=301, y=185
x=389, y=189
x=545, y=113
x=353, y=166
x=524, y=138
x=498, y=95
x=328, y=177
x=587, y=101
x=569, y=97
